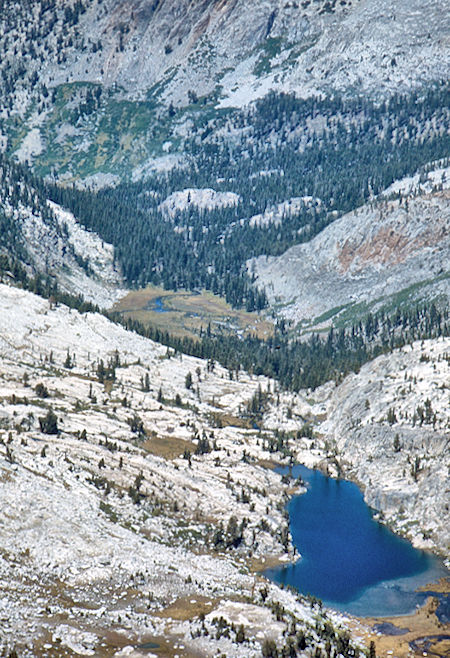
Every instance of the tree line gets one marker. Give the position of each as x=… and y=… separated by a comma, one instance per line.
x=295, y=363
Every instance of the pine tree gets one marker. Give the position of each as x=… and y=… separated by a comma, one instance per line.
x=188, y=380
x=49, y=423
x=68, y=361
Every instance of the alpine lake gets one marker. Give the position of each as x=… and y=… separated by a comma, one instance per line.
x=349, y=560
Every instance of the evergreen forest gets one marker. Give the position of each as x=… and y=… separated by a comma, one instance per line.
x=332, y=155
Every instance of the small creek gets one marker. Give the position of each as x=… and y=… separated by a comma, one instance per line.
x=157, y=305
x=349, y=560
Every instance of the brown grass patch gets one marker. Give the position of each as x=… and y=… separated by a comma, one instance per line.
x=166, y=648
x=441, y=587
x=5, y=476
x=227, y=420
x=268, y=463
x=423, y=623
x=188, y=608
x=168, y=447
x=442, y=648
x=258, y=565
x=108, y=386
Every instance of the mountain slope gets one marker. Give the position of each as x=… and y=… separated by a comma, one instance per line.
x=257, y=150
x=137, y=44
x=49, y=242
x=139, y=512
x=109, y=107
x=388, y=427
x=380, y=255
x=117, y=526
x=128, y=80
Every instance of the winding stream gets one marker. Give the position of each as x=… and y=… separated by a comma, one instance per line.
x=157, y=305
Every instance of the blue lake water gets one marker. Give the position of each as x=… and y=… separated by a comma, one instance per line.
x=349, y=560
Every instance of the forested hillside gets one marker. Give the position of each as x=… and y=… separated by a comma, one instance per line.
x=317, y=158
x=299, y=364
x=224, y=257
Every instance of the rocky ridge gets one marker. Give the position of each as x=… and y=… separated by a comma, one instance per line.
x=388, y=427
x=363, y=260
x=78, y=259
x=190, y=46
x=48, y=241
x=89, y=66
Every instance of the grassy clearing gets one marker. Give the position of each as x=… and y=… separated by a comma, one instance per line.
x=187, y=608
x=168, y=447
x=329, y=314
x=404, y=300
x=227, y=420
x=346, y=315
x=115, y=137
x=94, y=143
x=184, y=313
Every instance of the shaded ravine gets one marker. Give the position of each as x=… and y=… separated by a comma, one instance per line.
x=349, y=560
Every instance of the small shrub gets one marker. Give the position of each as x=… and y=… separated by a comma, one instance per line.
x=41, y=390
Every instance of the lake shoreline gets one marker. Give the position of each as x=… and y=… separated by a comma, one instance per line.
x=420, y=626
x=393, y=584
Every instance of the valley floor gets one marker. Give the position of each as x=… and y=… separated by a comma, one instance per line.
x=148, y=515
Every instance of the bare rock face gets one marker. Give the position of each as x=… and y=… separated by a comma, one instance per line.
x=206, y=199
x=390, y=424
x=79, y=260
x=365, y=256
x=239, y=47
x=311, y=44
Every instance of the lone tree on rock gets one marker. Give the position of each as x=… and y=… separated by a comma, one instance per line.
x=49, y=423
x=188, y=380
